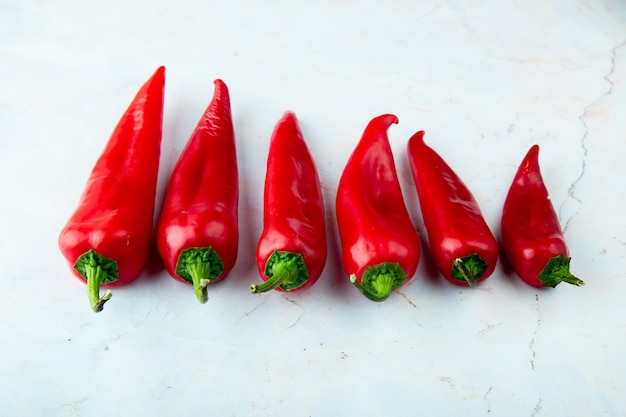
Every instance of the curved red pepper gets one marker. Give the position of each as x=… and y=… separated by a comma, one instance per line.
x=106, y=240
x=291, y=252
x=461, y=242
x=532, y=237
x=198, y=234
x=380, y=246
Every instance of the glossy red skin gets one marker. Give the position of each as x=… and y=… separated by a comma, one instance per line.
x=374, y=224
x=531, y=232
x=200, y=206
x=293, y=216
x=114, y=214
x=455, y=225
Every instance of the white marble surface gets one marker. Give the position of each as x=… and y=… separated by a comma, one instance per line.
x=484, y=79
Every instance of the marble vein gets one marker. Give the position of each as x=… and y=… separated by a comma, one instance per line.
x=252, y=310
x=531, y=344
x=485, y=397
x=489, y=327
x=407, y=299
x=537, y=408
x=74, y=408
x=303, y=311
x=571, y=192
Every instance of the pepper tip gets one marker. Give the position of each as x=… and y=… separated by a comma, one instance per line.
x=533, y=152
x=386, y=119
x=289, y=115
x=417, y=139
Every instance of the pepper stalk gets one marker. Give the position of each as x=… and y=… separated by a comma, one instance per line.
x=284, y=270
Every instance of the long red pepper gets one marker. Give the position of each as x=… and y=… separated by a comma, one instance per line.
x=463, y=247
x=106, y=240
x=380, y=246
x=291, y=252
x=198, y=234
x=532, y=238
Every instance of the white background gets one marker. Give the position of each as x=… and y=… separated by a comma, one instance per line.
x=485, y=80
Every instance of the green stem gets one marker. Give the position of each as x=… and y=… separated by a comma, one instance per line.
x=199, y=266
x=571, y=279
x=464, y=272
x=283, y=269
x=282, y=273
x=199, y=272
x=469, y=269
x=378, y=281
x=95, y=276
x=382, y=287
x=97, y=270
x=557, y=271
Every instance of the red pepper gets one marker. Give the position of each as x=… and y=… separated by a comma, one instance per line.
x=107, y=238
x=197, y=234
x=291, y=251
x=380, y=246
x=531, y=234
x=462, y=245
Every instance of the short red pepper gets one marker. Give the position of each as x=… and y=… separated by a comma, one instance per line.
x=380, y=246
x=106, y=240
x=532, y=238
x=291, y=252
x=463, y=247
x=197, y=234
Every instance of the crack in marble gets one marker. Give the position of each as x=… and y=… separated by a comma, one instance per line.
x=489, y=328
x=571, y=192
x=74, y=408
x=537, y=408
x=608, y=76
x=106, y=343
x=247, y=313
x=531, y=344
x=294, y=302
x=407, y=299
x=487, y=399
